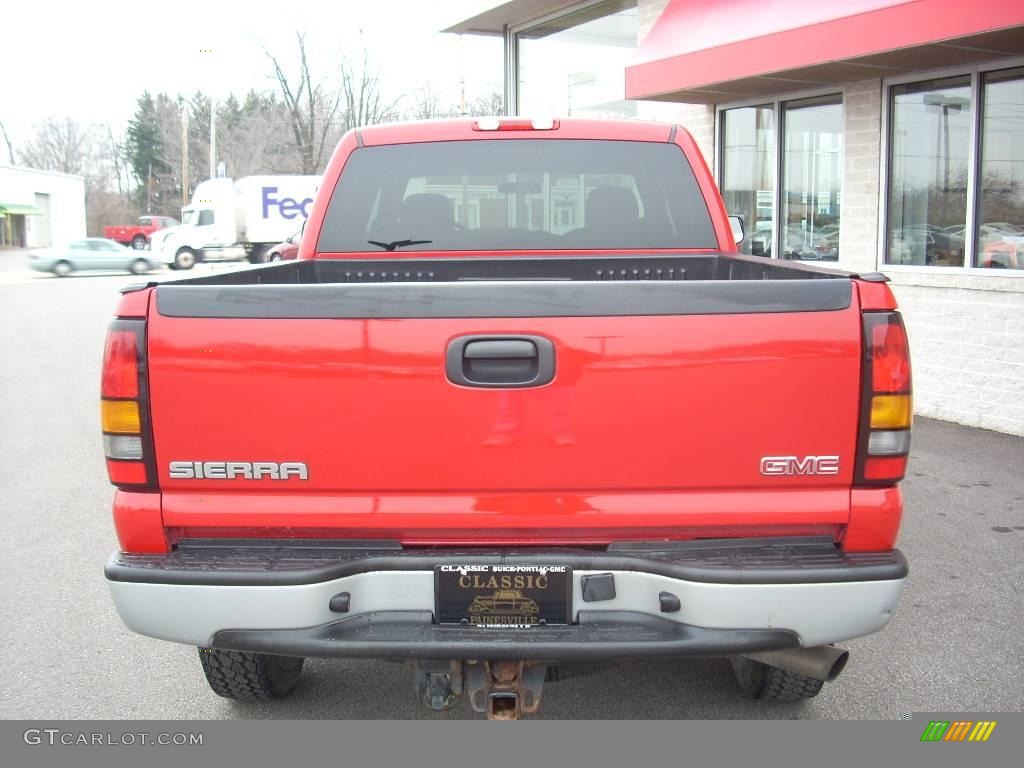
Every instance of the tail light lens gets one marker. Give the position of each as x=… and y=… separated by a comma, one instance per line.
x=887, y=410
x=124, y=414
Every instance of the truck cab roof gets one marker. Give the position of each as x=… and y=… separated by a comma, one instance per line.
x=470, y=128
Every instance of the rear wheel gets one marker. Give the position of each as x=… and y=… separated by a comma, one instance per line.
x=767, y=683
x=139, y=266
x=249, y=676
x=63, y=269
x=185, y=259
x=139, y=242
x=259, y=256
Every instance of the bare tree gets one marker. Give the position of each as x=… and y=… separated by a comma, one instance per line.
x=427, y=103
x=312, y=109
x=62, y=145
x=254, y=136
x=360, y=90
x=490, y=104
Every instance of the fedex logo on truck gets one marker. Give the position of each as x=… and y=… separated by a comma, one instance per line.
x=287, y=207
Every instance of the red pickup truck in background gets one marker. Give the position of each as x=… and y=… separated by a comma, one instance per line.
x=518, y=409
x=137, y=235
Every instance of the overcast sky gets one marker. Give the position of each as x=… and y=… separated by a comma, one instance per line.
x=91, y=60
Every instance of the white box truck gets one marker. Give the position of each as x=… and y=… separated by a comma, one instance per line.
x=233, y=219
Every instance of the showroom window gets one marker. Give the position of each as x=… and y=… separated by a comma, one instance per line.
x=999, y=236
x=812, y=177
x=807, y=135
x=930, y=126
x=574, y=64
x=748, y=173
x=955, y=171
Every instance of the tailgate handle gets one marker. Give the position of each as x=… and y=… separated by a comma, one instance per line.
x=500, y=361
x=510, y=348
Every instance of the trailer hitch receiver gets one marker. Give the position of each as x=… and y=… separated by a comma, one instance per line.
x=504, y=690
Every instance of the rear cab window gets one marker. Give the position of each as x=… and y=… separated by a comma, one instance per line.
x=525, y=194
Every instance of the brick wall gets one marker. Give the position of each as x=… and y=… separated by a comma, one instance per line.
x=862, y=131
x=967, y=346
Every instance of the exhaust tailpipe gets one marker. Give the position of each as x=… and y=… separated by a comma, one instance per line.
x=824, y=662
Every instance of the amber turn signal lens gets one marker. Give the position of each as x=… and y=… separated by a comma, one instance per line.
x=891, y=412
x=120, y=417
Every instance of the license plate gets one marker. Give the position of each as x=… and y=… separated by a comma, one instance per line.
x=503, y=596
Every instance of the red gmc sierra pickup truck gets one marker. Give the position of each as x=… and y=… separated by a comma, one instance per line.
x=519, y=410
x=137, y=235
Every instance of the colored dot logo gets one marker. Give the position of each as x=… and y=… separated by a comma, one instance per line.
x=958, y=730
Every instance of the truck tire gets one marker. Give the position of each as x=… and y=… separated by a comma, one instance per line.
x=185, y=259
x=259, y=255
x=249, y=676
x=139, y=242
x=772, y=684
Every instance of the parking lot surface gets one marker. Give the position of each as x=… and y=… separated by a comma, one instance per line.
x=956, y=643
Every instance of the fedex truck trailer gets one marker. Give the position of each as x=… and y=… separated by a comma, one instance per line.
x=234, y=219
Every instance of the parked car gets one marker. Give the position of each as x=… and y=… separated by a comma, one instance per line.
x=672, y=508
x=90, y=253
x=942, y=247
x=287, y=250
x=806, y=246
x=800, y=245
x=925, y=245
x=1014, y=230
x=1001, y=254
x=137, y=235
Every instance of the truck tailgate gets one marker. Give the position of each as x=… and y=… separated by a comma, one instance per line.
x=677, y=408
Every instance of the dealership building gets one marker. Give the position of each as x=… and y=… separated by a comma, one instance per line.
x=40, y=208
x=869, y=135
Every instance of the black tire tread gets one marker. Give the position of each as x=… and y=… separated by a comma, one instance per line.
x=249, y=676
x=763, y=682
x=784, y=686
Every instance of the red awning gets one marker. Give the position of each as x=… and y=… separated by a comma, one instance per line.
x=706, y=52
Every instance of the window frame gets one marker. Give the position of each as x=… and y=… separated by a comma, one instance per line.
x=976, y=73
x=778, y=104
x=512, y=57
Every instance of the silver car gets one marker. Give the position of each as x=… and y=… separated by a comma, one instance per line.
x=90, y=253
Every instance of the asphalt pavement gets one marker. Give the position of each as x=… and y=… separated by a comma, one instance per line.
x=955, y=644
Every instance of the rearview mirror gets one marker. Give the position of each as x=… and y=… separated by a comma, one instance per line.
x=736, y=223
